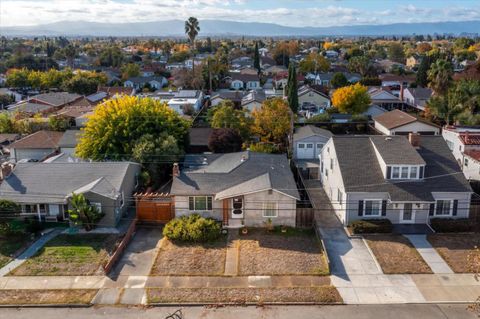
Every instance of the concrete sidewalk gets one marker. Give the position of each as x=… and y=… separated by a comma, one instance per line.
x=429, y=254
x=29, y=252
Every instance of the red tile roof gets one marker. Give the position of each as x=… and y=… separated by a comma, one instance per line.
x=469, y=138
x=475, y=154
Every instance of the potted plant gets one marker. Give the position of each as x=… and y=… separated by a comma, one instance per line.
x=244, y=229
x=269, y=224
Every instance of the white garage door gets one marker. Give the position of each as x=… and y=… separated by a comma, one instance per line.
x=305, y=150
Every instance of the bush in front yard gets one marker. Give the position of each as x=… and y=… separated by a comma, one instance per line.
x=370, y=226
x=451, y=225
x=192, y=228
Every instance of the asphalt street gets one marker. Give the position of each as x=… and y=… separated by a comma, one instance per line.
x=406, y=311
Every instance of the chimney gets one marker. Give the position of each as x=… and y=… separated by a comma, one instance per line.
x=175, y=170
x=6, y=169
x=414, y=139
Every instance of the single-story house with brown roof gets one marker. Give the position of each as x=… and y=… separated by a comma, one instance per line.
x=397, y=122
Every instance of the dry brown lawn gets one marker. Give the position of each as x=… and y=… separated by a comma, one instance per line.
x=274, y=253
x=182, y=259
x=323, y=294
x=70, y=255
x=47, y=296
x=396, y=255
x=458, y=250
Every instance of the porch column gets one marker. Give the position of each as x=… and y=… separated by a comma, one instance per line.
x=38, y=212
x=225, y=212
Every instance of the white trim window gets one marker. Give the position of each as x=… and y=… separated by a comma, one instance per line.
x=97, y=205
x=339, y=196
x=403, y=172
x=270, y=209
x=200, y=203
x=372, y=208
x=443, y=207
x=301, y=145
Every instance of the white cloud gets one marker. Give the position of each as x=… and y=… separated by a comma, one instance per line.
x=31, y=12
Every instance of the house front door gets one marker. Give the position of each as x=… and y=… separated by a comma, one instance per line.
x=408, y=214
x=237, y=207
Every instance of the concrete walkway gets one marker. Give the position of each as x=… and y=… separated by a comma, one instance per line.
x=231, y=258
x=429, y=254
x=29, y=252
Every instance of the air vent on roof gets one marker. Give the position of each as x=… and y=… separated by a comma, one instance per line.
x=205, y=161
x=388, y=138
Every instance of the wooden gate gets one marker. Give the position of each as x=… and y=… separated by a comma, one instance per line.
x=154, y=207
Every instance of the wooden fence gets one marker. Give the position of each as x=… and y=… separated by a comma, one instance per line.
x=121, y=247
x=304, y=218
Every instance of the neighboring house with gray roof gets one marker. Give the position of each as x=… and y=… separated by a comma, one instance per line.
x=37, y=146
x=243, y=188
x=156, y=82
x=69, y=141
x=43, y=189
x=405, y=179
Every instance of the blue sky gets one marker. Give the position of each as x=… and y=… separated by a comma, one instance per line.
x=285, y=12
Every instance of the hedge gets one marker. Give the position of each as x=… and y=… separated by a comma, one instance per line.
x=369, y=226
x=192, y=228
x=451, y=225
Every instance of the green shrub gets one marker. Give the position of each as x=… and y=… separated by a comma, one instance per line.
x=369, y=226
x=192, y=228
x=12, y=227
x=9, y=207
x=319, y=118
x=451, y=225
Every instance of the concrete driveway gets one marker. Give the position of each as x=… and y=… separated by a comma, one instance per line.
x=140, y=254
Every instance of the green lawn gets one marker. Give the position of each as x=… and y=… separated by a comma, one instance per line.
x=70, y=255
x=10, y=245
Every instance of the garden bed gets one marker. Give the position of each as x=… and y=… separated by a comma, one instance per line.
x=458, y=251
x=70, y=255
x=190, y=259
x=396, y=255
x=296, y=252
x=323, y=294
x=11, y=246
x=46, y=296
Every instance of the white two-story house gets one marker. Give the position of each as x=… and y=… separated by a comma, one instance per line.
x=405, y=179
x=464, y=142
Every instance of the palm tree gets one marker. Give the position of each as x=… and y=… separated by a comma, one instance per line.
x=440, y=76
x=192, y=27
x=447, y=107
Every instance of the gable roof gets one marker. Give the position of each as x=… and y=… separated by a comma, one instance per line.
x=310, y=130
x=394, y=119
x=70, y=138
x=306, y=89
x=361, y=171
x=234, y=173
x=40, y=182
x=396, y=150
x=56, y=98
x=382, y=94
x=397, y=118
x=420, y=93
x=40, y=139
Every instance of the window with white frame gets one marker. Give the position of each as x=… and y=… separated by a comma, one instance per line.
x=319, y=146
x=465, y=162
x=443, y=207
x=301, y=145
x=372, y=207
x=339, y=196
x=332, y=161
x=270, y=209
x=200, y=203
x=97, y=205
x=403, y=172
x=309, y=145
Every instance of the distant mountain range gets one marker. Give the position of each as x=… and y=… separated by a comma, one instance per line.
x=232, y=28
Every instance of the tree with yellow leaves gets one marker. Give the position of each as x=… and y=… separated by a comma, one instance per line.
x=353, y=99
x=272, y=121
x=118, y=125
x=314, y=62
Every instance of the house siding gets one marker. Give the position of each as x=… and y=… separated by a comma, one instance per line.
x=253, y=209
x=30, y=153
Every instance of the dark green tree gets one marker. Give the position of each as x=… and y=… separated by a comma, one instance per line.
x=339, y=80
x=256, y=58
x=292, y=89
